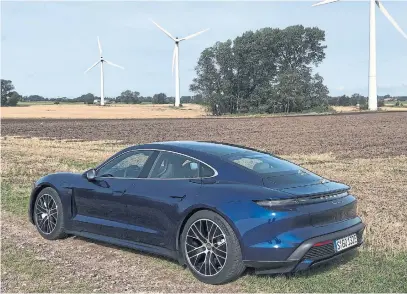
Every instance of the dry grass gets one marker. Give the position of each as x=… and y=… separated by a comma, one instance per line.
x=78, y=265
x=355, y=109
x=379, y=183
x=113, y=111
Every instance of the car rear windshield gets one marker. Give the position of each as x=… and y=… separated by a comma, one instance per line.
x=260, y=162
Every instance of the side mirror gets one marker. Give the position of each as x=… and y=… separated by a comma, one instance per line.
x=91, y=174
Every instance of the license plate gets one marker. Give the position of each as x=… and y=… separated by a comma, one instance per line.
x=346, y=242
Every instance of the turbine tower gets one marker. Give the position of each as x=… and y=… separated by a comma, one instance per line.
x=175, y=58
x=101, y=61
x=372, y=46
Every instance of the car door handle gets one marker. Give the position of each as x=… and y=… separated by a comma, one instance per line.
x=178, y=197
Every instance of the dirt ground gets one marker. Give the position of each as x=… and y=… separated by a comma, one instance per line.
x=111, y=111
x=367, y=151
x=348, y=136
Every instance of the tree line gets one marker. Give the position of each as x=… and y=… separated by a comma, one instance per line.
x=9, y=97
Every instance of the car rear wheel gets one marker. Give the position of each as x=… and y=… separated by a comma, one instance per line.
x=48, y=214
x=211, y=249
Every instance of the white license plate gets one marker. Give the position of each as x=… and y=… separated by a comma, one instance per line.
x=346, y=242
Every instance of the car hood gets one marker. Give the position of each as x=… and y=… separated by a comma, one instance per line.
x=300, y=183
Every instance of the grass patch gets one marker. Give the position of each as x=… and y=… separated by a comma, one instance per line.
x=364, y=272
x=379, y=183
x=14, y=198
x=23, y=271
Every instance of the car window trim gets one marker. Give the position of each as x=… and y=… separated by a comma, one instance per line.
x=159, y=150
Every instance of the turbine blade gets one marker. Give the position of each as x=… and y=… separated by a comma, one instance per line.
x=161, y=28
x=113, y=64
x=390, y=18
x=100, y=48
x=193, y=35
x=96, y=63
x=174, y=58
x=325, y=2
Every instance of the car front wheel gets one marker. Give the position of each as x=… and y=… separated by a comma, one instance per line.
x=48, y=214
x=211, y=249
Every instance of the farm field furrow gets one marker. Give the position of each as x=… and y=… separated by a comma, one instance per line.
x=366, y=151
x=348, y=136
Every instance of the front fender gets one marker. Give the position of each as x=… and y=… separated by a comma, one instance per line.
x=62, y=183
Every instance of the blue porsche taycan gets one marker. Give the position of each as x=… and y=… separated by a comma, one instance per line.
x=215, y=208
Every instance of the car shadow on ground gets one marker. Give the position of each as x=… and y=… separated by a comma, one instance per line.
x=126, y=249
x=314, y=270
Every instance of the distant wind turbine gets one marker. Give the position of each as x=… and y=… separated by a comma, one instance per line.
x=175, y=58
x=372, y=50
x=101, y=61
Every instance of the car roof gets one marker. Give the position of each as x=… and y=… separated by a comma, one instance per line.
x=212, y=148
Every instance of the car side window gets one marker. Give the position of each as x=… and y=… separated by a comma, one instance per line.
x=206, y=171
x=127, y=165
x=170, y=165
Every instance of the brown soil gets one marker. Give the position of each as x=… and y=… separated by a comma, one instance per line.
x=98, y=267
x=348, y=136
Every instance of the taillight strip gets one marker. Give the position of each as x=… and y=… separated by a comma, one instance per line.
x=322, y=243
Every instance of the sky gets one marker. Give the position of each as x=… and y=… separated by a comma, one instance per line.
x=47, y=46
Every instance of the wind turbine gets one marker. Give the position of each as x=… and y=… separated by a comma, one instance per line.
x=101, y=61
x=372, y=46
x=175, y=58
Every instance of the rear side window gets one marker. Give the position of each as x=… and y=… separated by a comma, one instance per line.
x=261, y=163
x=206, y=171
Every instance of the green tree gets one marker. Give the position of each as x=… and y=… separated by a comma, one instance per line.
x=254, y=71
x=35, y=98
x=14, y=98
x=6, y=91
x=159, y=98
x=129, y=97
x=86, y=98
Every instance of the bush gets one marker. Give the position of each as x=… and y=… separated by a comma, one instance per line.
x=56, y=102
x=13, y=100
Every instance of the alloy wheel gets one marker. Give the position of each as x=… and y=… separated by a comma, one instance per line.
x=206, y=247
x=46, y=213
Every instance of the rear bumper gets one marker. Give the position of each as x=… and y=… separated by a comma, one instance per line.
x=299, y=260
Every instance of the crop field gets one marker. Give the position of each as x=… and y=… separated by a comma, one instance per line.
x=367, y=151
x=110, y=111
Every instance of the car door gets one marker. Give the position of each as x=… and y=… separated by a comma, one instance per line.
x=99, y=205
x=156, y=203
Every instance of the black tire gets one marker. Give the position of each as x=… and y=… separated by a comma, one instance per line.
x=40, y=221
x=233, y=265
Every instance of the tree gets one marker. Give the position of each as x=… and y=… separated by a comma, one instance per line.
x=6, y=91
x=159, y=98
x=14, y=98
x=129, y=97
x=9, y=97
x=255, y=71
x=35, y=98
x=86, y=98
